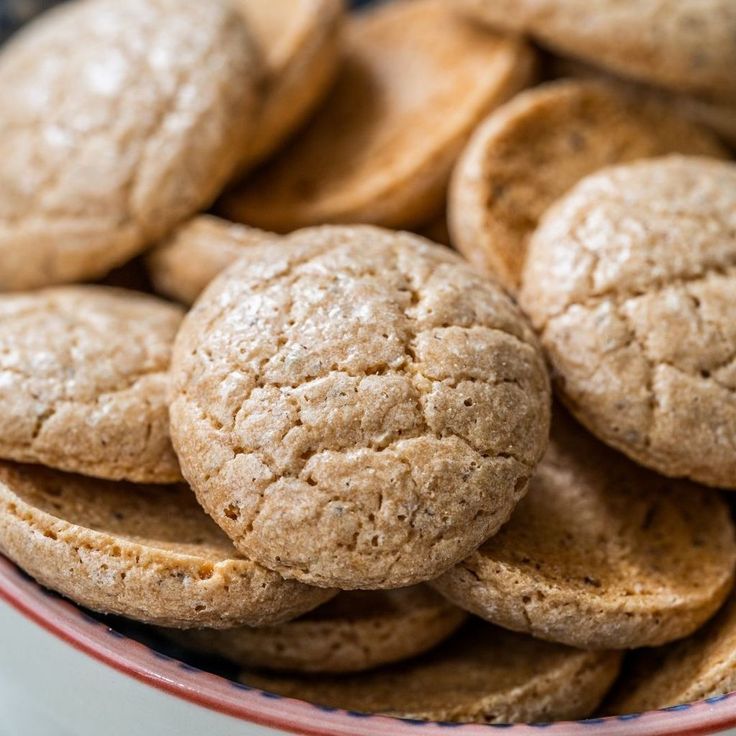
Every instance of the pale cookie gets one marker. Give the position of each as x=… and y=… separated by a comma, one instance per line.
x=483, y=675
x=601, y=553
x=301, y=44
x=355, y=631
x=117, y=121
x=198, y=251
x=415, y=82
x=357, y=408
x=148, y=553
x=84, y=381
x=630, y=279
x=702, y=666
x=684, y=45
x=534, y=148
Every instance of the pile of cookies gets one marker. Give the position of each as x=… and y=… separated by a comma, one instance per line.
x=328, y=450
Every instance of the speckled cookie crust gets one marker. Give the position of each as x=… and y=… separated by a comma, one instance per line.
x=531, y=150
x=357, y=630
x=630, y=280
x=117, y=121
x=199, y=250
x=148, y=553
x=482, y=675
x=414, y=82
x=601, y=553
x=356, y=407
x=686, y=45
x=84, y=381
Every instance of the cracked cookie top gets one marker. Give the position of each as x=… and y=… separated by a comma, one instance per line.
x=117, y=121
x=84, y=381
x=357, y=408
x=630, y=280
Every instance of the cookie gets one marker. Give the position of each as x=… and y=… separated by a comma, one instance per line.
x=198, y=251
x=84, y=382
x=686, y=46
x=145, y=552
x=117, y=121
x=414, y=83
x=301, y=44
x=483, y=674
x=601, y=553
x=703, y=666
x=356, y=407
x=630, y=281
x=534, y=148
x=357, y=630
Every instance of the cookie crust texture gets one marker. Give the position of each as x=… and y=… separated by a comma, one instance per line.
x=139, y=128
x=356, y=407
x=630, y=281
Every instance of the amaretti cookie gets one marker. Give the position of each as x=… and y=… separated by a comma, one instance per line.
x=300, y=41
x=534, y=148
x=357, y=630
x=630, y=281
x=357, y=408
x=148, y=553
x=414, y=83
x=703, y=666
x=483, y=675
x=84, y=381
x=686, y=45
x=117, y=121
x=199, y=250
x=601, y=553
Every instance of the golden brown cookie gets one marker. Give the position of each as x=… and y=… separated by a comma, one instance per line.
x=630, y=280
x=145, y=552
x=199, y=250
x=534, y=148
x=414, y=83
x=356, y=407
x=483, y=674
x=601, y=553
x=702, y=666
x=117, y=121
x=301, y=44
x=685, y=45
x=84, y=381
x=355, y=631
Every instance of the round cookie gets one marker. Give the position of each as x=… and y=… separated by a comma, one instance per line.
x=630, y=281
x=601, y=553
x=483, y=674
x=84, y=382
x=148, y=553
x=117, y=121
x=702, y=666
x=534, y=148
x=414, y=83
x=198, y=251
x=301, y=44
x=686, y=45
x=355, y=631
x=357, y=408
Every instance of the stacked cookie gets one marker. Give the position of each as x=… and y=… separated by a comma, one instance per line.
x=336, y=468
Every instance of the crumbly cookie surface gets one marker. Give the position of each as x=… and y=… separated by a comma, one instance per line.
x=630, y=281
x=357, y=630
x=356, y=407
x=117, y=121
x=601, y=553
x=146, y=552
x=84, y=381
x=533, y=149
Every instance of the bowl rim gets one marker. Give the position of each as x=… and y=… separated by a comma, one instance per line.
x=86, y=634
